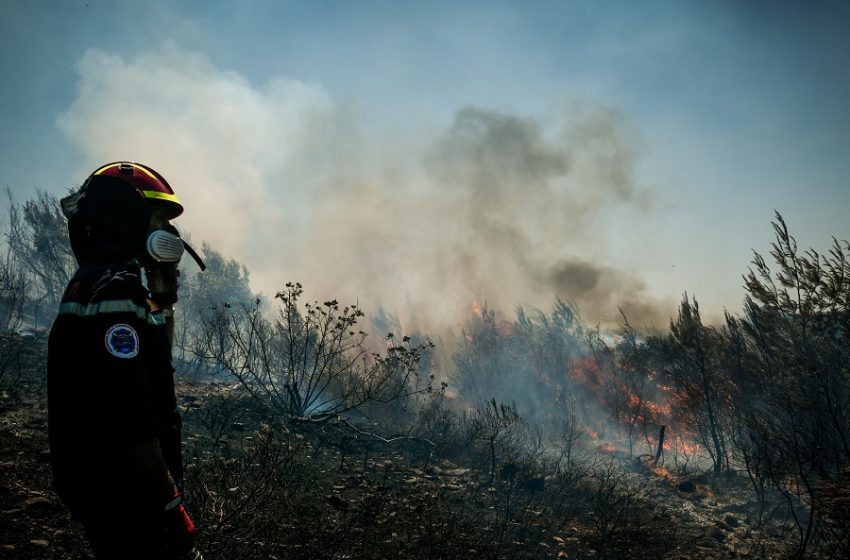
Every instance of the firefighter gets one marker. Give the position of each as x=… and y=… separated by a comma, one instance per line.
x=113, y=424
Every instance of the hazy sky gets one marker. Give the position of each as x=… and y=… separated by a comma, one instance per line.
x=422, y=155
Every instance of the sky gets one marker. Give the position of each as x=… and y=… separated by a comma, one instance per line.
x=430, y=156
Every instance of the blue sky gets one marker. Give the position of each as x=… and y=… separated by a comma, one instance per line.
x=722, y=111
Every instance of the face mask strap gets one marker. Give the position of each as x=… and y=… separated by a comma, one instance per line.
x=194, y=255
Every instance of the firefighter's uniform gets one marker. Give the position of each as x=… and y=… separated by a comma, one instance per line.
x=110, y=385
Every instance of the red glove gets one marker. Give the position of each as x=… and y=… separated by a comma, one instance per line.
x=178, y=526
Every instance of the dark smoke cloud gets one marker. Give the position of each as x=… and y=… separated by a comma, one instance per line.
x=577, y=278
x=606, y=291
x=532, y=199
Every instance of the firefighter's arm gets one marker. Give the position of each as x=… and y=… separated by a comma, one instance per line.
x=117, y=334
x=146, y=459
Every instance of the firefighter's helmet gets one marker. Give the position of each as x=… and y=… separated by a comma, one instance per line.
x=151, y=184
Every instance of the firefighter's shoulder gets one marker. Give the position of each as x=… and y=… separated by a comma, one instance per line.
x=99, y=289
x=122, y=282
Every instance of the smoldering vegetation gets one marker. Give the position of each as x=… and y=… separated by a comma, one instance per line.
x=317, y=429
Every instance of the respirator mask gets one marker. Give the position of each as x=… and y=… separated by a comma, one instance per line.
x=163, y=249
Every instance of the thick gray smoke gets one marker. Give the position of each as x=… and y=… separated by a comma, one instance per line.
x=496, y=207
x=535, y=206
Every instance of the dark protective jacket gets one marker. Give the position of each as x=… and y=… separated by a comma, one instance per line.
x=110, y=384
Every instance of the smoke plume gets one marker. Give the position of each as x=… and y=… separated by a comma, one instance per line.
x=494, y=206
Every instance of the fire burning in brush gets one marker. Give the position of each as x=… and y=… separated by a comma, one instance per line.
x=637, y=406
x=660, y=470
x=608, y=447
x=488, y=315
x=557, y=371
x=477, y=309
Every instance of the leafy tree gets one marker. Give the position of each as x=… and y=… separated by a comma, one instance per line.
x=37, y=237
x=482, y=367
x=525, y=361
x=14, y=291
x=690, y=360
x=634, y=387
x=794, y=337
x=224, y=284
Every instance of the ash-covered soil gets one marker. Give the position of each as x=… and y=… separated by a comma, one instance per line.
x=302, y=491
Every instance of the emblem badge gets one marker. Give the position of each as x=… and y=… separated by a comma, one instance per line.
x=122, y=341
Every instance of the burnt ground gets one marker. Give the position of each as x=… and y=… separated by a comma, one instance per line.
x=260, y=490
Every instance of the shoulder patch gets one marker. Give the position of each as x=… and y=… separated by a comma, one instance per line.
x=122, y=341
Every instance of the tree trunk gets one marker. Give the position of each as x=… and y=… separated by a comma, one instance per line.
x=660, y=444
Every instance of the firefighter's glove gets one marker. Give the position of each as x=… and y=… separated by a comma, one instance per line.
x=179, y=529
x=193, y=554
